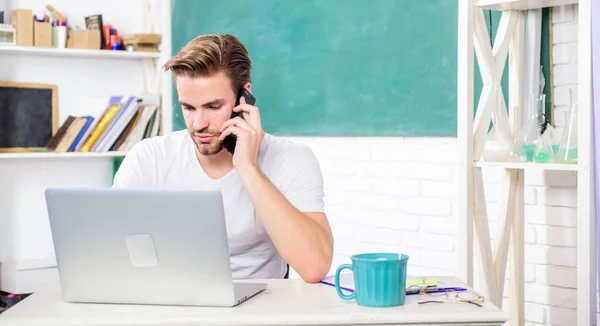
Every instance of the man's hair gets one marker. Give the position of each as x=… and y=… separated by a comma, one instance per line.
x=207, y=55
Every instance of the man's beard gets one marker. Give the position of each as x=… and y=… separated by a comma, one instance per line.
x=214, y=147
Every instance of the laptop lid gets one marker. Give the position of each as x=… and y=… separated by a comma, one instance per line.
x=141, y=246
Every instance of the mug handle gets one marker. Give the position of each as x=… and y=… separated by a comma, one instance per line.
x=337, y=283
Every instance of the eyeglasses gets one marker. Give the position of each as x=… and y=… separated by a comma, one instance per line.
x=453, y=297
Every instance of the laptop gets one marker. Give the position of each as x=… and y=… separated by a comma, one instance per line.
x=143, y=246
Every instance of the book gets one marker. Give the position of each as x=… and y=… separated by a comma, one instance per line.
x=137, y=134
x=86, y=126
x=113, y=107
x=125, y=134
x=92, y=127
x=59, y=133
x=116, y=125
x=70, y=135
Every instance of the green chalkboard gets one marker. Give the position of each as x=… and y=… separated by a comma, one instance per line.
x=340, y=67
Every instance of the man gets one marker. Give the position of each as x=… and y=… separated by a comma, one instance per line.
x=272, y=188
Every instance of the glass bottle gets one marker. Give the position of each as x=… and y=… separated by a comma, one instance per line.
x=518, y=152
x=528, y=136
x=544, y=151
x=567, y=147
x=498, y=145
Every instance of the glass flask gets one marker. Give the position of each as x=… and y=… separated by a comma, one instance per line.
x=499, y=143
x=528, y=136
x=518, y=152
x=567, y=147
x=544, y=151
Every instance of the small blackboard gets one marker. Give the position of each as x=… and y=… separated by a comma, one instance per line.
x=28, y=116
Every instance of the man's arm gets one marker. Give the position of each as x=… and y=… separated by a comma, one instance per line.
x=303, y=239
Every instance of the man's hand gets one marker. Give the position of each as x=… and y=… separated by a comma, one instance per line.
x=249, y=133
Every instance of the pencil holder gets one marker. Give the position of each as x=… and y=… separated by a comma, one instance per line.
x=59, y=36
x=42, y=34
x=22, y=21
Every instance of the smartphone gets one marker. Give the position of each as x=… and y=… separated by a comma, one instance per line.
x=230, y=141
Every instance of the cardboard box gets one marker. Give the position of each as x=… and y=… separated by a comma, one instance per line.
x=22, y=21
x=42, y=35
x=84, y=39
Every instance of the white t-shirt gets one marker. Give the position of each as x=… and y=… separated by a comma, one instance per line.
x=170, y=162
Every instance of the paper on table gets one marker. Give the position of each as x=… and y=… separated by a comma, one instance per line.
x=347, y=281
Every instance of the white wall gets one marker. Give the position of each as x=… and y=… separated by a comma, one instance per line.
x=398, y=194
x=391, y=194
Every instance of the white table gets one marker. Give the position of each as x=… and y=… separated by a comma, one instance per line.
x=285, y=302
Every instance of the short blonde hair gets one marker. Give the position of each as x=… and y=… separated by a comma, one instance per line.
x=207, y=55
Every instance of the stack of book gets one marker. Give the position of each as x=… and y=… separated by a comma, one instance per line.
x=125, y=121
x=142, y=42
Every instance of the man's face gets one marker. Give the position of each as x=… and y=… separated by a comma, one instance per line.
x=206, y=103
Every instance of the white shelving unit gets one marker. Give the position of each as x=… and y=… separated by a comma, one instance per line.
x=14, y=49
x=27, y=259
x=527, y=166
x=521, y=4
x=493, y=260
x=57, y=155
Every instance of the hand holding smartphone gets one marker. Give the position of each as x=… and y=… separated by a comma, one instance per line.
x=230, y=141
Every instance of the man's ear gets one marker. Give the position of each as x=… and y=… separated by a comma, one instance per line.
x=248, y=86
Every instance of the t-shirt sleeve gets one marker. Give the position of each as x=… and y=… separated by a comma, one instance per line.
x=138, y=169
x=304, y=182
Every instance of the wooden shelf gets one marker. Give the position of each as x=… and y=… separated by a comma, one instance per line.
x=521, y=4
x=60, y=155
x=28, y=50
x=527, y=165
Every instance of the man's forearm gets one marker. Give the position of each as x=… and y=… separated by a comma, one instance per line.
x=300, y=240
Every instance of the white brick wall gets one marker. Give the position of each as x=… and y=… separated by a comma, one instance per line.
x=391, y=194
x=399, y=194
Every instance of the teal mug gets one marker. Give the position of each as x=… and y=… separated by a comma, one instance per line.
x=379, y=279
